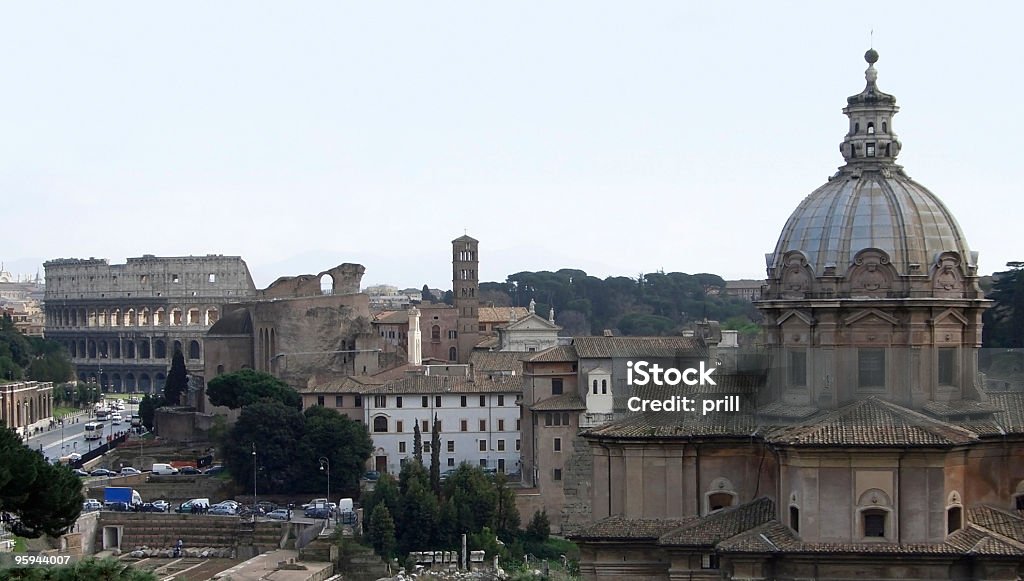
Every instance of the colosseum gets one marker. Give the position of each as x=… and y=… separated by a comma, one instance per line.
x=122, y=323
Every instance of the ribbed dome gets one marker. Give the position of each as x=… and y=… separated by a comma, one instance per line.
x=870, y=202
x=892, y=213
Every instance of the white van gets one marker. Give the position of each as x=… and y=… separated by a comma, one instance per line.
x=164, y=469
x=186, y=506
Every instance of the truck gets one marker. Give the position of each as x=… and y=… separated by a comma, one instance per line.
x=120, y=494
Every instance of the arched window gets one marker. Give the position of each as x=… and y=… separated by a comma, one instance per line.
x=453, y=354
x=885, y=127
x=212, y=315
x=143, y=349
x=129, y=350
x=719, y=501
x=175, y=317
x=177, y=347
x=595, y=387
x=145, y=384
x=193, y=349
x=604, y=387
x=794, y=519
x=721, y=495
x=871, y=128
x=326, y=284
x=954, y=519
x=115, y=349
x=220, y=370
x=380, y=424
x=435, y=333
x=874, y=514
x=159, y=349
x=856, y=128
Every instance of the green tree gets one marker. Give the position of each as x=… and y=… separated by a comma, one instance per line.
x=418, y=522
x=245, y=387
x=45, y=498
x=344, y=442
x=382, y=531
x=474, y=495
x=1004, y=321
x=177, y=380
x=539, y=528
x=435, y=456
x=147, y=409
x=385, y=492
x=417, y=443
x=506, y=515
x=448, y=531
x=277, y=431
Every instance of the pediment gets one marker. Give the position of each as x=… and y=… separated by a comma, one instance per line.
x=801, y=316
x=532, y=323
x=866, y=313
x=950, y=314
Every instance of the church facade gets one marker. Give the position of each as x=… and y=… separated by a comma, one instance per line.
x=869, y=448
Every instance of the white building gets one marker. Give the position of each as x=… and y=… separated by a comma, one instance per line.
x=479, y=420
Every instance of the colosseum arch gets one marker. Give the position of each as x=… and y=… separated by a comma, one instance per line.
x=212, y=315
x=145, y=383
x=327, y=283
x=194, y=351
x=193, y=316
x=129, y=349
x=144, y=349
x=115, y=349
x=159, y=317
x=159, y=349
x=144, y=319
x=129, y=318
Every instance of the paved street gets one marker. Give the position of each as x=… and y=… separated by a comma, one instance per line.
x=73, y=435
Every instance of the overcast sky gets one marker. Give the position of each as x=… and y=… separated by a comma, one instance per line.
x=615, y=137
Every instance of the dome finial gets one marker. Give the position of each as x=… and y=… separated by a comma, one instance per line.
x=871, y=56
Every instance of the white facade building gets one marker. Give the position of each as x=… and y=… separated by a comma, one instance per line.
x=479, y=421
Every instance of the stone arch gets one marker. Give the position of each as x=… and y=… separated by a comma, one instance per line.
x=115, y=349
x=326, y=283
x=145, y=383
x=73, y=348
x=874, y=518
x=193, y=317
x=129, y=349
x=175, y=320
x=92, y=349
x=144, y=349
x=159, y=349
x=129, y=382
x=144, y=317
x=102, y=349
x=380, y=424
x=129, y=318
x=81, y=348
x=212, y=316
x=103, y=318
x=116, y=383
x=159, y=380
x=453, y=354
x=954, y=513
x=177, y=348
x=159, y=317
x=721, y=494
x=194, y=351
x=115, y=318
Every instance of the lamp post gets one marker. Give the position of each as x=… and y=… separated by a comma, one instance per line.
x=325, y=462
x=255, y=507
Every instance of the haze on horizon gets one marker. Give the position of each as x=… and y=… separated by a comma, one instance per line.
x=615, y=138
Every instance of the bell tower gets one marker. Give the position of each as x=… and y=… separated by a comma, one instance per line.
x=466, y=288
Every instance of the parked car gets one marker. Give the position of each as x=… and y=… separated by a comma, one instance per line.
x=152, y=507
x=91, y=504
x=186, y=506
x=162, y=504
x=102, y=472
x=118, y=506
x=372, y=476
x=80, y=473
x=322, y=510
x=447, y=474
x=129, y=471
x=214, y=470
x=223, y=509
x=189, y=470
x=164, y=469
x=280, y=514
x=74, y=457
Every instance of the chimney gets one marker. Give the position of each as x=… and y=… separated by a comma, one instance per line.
x=415, y=345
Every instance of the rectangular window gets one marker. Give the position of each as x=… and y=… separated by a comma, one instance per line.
x=871, y=368
x=437, y=401
x=547, y=419
x=518, y=445
x=401, y=447
x=398, y=401
x=319, y=400
x=501, y=425
x=518, y=424
x=483, y=445
x=556, y=475
x=556, y=386
x=380, y=401
x=874, y=523
x=425, y=426
x=463, y=425
x=870, y=149
x=558, y=445
x=462, y=401
x=501, y=445
x=565, y=418
x=501, y=400
x=798, y=368
x=339, y=401
x=483, y=462
x=947, y=366
x=451, y=445
x=709, y=561
x=483, y=401
x=399, y=426
x=359, y=401
x=424, y=401
x=451, y=462
x=483, y=425
x=426, y=447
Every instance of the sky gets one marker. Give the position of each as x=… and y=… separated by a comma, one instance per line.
x=615, y=137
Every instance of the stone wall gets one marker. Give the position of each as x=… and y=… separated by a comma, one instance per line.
x=182, y=424
x=578, y=475
x=345, y=279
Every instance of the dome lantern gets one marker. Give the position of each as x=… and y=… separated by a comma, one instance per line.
x=870, y=140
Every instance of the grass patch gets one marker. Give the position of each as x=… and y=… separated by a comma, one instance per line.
x=63, y=411
x=20, y=546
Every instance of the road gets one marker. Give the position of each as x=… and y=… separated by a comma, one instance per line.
x=73, y=435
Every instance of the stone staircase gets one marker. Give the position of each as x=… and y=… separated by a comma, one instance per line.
x=158, y=531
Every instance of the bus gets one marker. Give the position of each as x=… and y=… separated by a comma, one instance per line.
x=93, y=431
x=101, y=414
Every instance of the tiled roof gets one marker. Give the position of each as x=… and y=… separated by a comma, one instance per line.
x=636, y=347
x=500, y=314
x=946, y=410
x=1011, y=414
x=391, y=318
x=566, y=401
x=786, y=411
x=770, y=537
x=555, y=354
x=488, y=343
x=997, y=521
x=710, y=529
x=622, y=528
x=440, y=384
x=484, y=362
x=393, y=373
x=872, y=422
x=344, y=384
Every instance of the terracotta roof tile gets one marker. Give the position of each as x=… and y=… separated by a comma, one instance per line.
x=491, y=361
x=1011, y=406
x=962, y=408
x=566, y=401
x=440, y=384
x=555, y=354
x=622, y=528
x=872, y=422
x=710, y=529
x=344, y=384
x=502, y=315
x=999, y=522
x=635, y=347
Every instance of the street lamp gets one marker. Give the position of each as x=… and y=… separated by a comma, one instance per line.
x=325, y=462
x=255, y=507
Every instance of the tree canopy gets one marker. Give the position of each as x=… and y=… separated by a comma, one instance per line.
x=177, y=380
x=288, y=445
x=651, y=304
x=245, y=387
x=1004, y=321
x=35, y=358
x=44, y=498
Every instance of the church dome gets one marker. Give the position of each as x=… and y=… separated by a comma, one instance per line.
x=870, y=203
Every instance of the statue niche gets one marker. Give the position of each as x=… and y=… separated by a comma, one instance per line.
x=796, y=275
x=872, y=275
x=947, y=281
